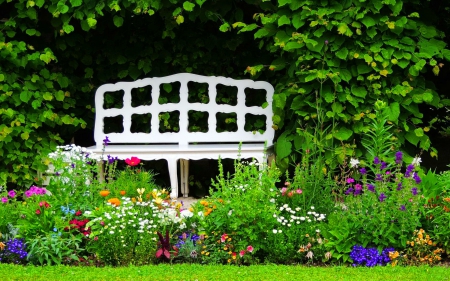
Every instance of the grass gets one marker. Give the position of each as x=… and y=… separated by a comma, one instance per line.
x=208, y=272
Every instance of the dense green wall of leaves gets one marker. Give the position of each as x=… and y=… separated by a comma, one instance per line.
x=340, y=56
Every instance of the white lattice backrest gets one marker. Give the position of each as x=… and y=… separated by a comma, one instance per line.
x=184, y=137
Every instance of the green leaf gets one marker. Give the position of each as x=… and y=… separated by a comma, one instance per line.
x=283, y=2
x=359, y=91
x=188, y=6
x=59, y=95
x=91, y=22
x=297, y=20
x=63, y=81
x=225, y=27
x=261, y=33
x=419, y=132
x=345, y=74
x=200, y=2
x=2, y=77
x=25, y=96
x=180, y=19
x=31, y=32
x=368, y=21
x=76, y=3
x=343, y=134
x=47, y=96
x=363, y=68
x=118, y=21
x=283, y=147
x=293, y=45
x=283, y=20
x=25, y=135
x=342, y=53
x=68, y=28
x=446, y=54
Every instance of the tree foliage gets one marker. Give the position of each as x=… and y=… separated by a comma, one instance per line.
x=339, y=56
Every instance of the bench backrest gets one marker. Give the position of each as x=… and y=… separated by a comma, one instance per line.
x=184, y=137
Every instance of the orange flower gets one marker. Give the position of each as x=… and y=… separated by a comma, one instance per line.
x=133, y=200
x=114, y=201
x=104, y=193
x=122, y=192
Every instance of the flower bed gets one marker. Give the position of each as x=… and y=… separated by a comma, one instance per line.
x=376, y=213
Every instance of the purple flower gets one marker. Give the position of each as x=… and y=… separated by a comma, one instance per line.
x=398, y=157
x=376, y=161
x=414, y=191
x=363, y=171
x=409, y=169
x=378, y=177
x=371, y=187
x=72, y=165
x=350, y=180
x=382, y=197
x=106, y=141
x=326, y=42
x=402, y=208
x=28, y=193
x=12, y=193
x=399, y=186
x=383, y=165
x=57, y=173
x=4, y=199
x=349, y=191
x=417, y=178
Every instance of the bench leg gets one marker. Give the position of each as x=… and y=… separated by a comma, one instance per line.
x=184, y=174
x=172, y=165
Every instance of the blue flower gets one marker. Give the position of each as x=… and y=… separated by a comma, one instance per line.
x=363, y=171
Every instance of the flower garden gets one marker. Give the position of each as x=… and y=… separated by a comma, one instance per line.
x=384, y=211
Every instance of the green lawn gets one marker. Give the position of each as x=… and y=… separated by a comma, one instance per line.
x=199, y=272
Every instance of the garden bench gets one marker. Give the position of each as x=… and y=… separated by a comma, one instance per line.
x=184, y=145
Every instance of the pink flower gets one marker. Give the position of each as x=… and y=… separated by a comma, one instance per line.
x=4, y=200
x=223, y=237
x=134, y=161
x=299, y=191
x=38, y=212
x=250, y=248
x=287, y=183
x=242, y=253
x=283, y=190
x=12, y=193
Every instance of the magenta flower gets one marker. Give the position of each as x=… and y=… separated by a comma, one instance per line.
x=12, y=193
x=250, y=248
x=28, y=193
x=242, y=253
x=4, y=200
x=350, y=180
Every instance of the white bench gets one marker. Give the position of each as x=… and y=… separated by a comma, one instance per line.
x=184, y=145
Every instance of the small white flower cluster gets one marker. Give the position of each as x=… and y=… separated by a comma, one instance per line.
x=241, y=187
x=127, y=216
x=292, y=218
x=354, y=162
x=71, y=152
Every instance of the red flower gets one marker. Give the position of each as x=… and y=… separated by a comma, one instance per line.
x=38, y=212
x=78, y=213
x=134, y=161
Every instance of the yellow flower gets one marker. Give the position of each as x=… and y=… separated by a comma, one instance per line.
x=207, y=253
x=141, y=191
x=2, y=246
x=225, y=248
x=228, y=260
x=158, y=201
